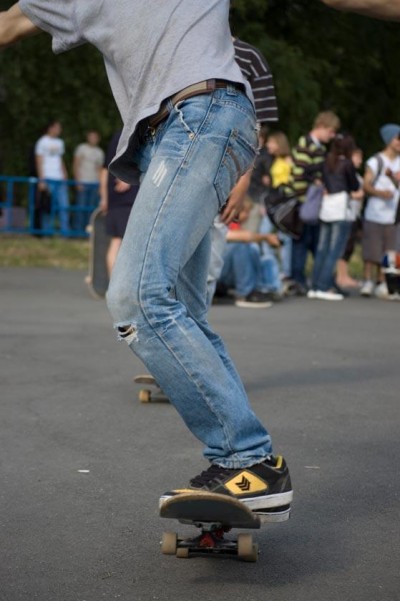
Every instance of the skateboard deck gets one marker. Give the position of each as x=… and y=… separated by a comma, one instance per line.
x=146, y=394
x=97, y=279
x=214, y=515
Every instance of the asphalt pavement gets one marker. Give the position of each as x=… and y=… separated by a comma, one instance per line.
x=83, y=462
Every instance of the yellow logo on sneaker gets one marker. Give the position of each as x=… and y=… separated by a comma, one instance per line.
x=245, y=483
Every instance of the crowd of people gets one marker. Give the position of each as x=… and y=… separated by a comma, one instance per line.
x=357, y=205
x=259, y=264
x=252, y=263
x=53, y=197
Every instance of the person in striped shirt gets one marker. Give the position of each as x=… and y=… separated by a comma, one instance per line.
x=308, y=157
x=257, y=71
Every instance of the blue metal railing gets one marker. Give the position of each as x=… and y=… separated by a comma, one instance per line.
x=66, y=214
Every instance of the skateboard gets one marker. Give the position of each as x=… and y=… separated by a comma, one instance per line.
x=214, y=515
x=146, y=395
x=97, y=279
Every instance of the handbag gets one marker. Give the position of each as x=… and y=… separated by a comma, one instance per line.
x=283, y=210
x=311, y=207
x=334, y=207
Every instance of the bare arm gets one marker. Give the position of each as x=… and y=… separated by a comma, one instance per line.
x=236, y=198
x=76, y=165
x=370, y=190
x=248, y=236
x=39, y=170
x=14, y=26
x=103, y=205
x=381, y=9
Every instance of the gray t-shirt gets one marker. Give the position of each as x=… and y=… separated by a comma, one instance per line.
x=91, y=160
x=151, y=48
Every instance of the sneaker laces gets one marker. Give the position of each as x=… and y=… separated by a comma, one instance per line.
x=215, y=473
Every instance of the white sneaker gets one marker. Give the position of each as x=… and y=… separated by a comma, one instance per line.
x=311, y=294
x=328, y=295
x=381, y=291
x=367, y=288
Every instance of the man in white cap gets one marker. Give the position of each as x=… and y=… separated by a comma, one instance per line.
x=381, y=184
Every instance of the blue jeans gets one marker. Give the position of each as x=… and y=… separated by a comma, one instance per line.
x=59, y=205
x=87, y=200
x=300, y=248
x=242, y=267
x=271, y=281
x=332, y=242
x=157, y=293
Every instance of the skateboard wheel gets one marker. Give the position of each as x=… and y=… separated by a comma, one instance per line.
x=253, y=556
x=182, y=552
x=169, y=543
x=245, y=546
x=144, y=396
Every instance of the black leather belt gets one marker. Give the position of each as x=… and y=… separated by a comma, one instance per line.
x=203, y=87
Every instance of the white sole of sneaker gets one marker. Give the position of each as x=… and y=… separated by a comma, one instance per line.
x=248, y=305
x=255, y=503
x=269, y=501
x=276, y=517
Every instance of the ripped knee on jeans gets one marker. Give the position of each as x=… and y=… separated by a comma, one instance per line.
x=128, y=333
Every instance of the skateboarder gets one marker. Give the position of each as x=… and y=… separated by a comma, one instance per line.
x=189, y=124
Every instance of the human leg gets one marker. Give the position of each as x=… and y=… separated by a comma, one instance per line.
x=321, y=255
x=218, y=244
x=299, y=258
x=343, y=278
x=59, y=193
x=286, y=255
x=240, y=268
x=195, y=157
x=87, y=199
x=333, y=238
x=307, y=242
x=112, y=253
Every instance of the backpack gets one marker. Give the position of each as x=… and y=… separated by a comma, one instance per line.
x=377, y=176
x=283, y=210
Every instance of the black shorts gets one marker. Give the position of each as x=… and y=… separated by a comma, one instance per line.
x=116, y=220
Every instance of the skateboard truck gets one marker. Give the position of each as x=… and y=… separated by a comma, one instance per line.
x=214, y=515
x=151, y=390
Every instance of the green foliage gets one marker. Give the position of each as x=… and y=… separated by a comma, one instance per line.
x=320, y=59
x=37, y=86
x=323, y=59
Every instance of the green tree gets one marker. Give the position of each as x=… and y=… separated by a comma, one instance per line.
x=320, y=59
x=36, y=86
x=325, y=59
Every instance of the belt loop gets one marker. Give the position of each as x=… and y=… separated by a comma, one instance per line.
x=231, y=89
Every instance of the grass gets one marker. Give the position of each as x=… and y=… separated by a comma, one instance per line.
x=28, y=251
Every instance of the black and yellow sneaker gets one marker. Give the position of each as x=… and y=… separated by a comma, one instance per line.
x=265, y=487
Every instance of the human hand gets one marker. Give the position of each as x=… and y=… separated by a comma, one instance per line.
x=358, y=195
x=385, y=194
x=121, y=186
x=103, y=205
x=272, y=240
